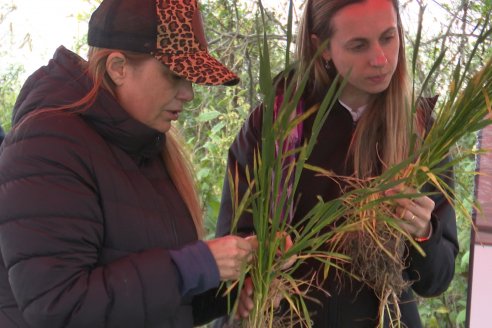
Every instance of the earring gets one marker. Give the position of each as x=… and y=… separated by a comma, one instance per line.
x=327, y=65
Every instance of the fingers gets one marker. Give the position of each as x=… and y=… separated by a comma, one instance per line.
x=245, y=304
x=277, y=298
x=292, y=259
x=420, y=206
x=253, y=241
x=231, y=253
x=423, y=202
x=413, y=223
x=415, y=212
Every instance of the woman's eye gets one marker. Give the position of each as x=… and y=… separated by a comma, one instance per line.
x=358, y=47
x=170, y=74
x=388, y=38
x=175, y=77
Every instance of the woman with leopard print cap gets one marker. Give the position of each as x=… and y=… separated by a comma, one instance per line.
x=100, y=224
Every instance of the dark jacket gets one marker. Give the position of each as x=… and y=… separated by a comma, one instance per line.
x=351, y=303
x=2, y=135
x=91, y=225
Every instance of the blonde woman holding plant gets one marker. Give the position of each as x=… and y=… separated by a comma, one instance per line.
x=367, y=131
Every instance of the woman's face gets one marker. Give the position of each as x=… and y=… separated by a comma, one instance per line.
x=365, y=42
x=152, y=94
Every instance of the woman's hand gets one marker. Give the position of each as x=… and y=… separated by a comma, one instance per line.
x=287, y=240
x=231, y=253
x=414, y=212
x=245, y=302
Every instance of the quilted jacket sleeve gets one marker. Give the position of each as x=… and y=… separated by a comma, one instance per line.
x=51, y=235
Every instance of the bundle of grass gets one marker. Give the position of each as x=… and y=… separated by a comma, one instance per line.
x=270, y=198
x=277, y=166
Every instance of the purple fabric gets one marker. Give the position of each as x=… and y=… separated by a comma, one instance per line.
x=293, y=141
x=197, y=268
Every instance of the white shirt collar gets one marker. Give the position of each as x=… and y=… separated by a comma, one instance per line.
x=356, y=113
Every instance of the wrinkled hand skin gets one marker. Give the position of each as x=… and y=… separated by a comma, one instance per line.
x=231, y=253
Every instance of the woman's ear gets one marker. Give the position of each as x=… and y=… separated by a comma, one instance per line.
x=116, y=67
x=326, y=54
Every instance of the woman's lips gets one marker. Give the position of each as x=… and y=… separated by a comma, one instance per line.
x=173, y=114
x=377, y=79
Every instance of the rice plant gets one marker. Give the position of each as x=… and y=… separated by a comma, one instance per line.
x=270, y=198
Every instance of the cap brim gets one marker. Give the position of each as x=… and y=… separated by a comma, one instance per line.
x=200, y=68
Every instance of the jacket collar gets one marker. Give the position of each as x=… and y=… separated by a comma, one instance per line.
x=64, y=81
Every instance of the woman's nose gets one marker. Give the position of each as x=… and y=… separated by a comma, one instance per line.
x=379, y=59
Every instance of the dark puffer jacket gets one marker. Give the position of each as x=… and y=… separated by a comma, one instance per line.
x=88, y=216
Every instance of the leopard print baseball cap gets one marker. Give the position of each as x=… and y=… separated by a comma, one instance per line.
x=170, y=30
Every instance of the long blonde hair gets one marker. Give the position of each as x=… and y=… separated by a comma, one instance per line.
x=382, y=133
x=175, y=158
